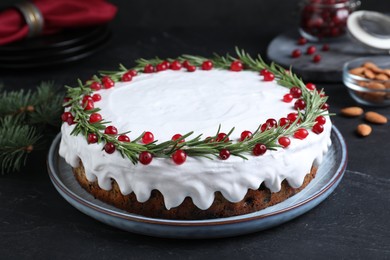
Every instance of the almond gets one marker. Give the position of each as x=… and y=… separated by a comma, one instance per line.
x=370, y=65
x=351, y=111
x=369, y=74
x=357, y=71
x=362, y=83
x=375, y=118
x=387, y=72
x=376, y=86
x=364, y=130
x=381, y=76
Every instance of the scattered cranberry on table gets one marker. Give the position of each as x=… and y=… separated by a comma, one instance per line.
x=325, y=47
x=302, y=41
x=316, y=58
x=296, y=53
x=311, y=49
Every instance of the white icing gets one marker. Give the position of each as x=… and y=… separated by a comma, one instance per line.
x=171, y=102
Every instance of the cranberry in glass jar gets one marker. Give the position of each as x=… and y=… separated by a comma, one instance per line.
x=325, y=19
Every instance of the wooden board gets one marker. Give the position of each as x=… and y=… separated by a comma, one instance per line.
x=329, y=69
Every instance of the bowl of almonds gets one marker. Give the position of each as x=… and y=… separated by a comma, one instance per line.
x=368, y=80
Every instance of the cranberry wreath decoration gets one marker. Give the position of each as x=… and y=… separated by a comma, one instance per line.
x=310, y=105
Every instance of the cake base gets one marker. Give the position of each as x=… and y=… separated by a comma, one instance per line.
x=254, y=200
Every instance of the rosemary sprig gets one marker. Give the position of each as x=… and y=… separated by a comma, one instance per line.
x=199, y=146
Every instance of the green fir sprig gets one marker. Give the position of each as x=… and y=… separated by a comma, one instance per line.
x=26, y=117
x=198, y=146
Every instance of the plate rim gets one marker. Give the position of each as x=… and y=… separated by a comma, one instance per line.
x=193, y=223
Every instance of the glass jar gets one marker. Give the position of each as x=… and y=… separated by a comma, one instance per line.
x=325, y=19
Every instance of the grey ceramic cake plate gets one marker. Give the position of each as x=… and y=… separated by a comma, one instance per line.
x=328, y=177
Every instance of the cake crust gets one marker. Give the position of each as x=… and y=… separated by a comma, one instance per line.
x=154, y=207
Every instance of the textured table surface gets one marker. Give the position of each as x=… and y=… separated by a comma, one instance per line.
x=353, y=222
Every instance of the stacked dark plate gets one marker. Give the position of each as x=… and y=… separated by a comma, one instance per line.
x=52, y=50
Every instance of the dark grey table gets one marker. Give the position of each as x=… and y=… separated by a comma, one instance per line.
x=36, y=222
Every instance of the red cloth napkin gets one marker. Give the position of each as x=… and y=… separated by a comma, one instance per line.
x=58, y=15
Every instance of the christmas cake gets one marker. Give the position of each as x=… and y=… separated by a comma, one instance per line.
x=195, y=138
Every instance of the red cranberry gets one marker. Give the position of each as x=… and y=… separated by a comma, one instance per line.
x=246, y=135
x=321, y=120
x=166, y=63
x=68, y=117
x=311, y=49
x=287, y=98
x=325, y=47
x=133, y=73
x=107, y=82
x=191, y=68
x=96, y=97
x=95, y=86
x=292, y=116
x=161, y=67
x=302, y=41
x=207, y=65
x=269, y=76
x=296, y=53
x=296, y=92
x=95, y=117
x=66, y=101
x=111, y=130
x=259, y=149
x=124, y=138
x=236, y=66
x=317, y=58
x=175, y=65
x=265, y=127
x=318, y=128
x=300, y=104
x=178, y=136
x=145, y=157
x=127, y=77
x=224, y=154
x=271, y=122
x=284, y=141
x=186, y=63
x=149, y=68
x=301, y=133
x=86, y=98
x=283, y=121
x=179, y=157
x=109, y=148
x=147, y=138
x=88, y=105
x=263, y=72
x=222, y=136
x=92, y=138
x=310, y=86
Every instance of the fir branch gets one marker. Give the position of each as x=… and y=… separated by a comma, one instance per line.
x=17, y=139
x=46, y=101
x=25, y=117
x=14, y=102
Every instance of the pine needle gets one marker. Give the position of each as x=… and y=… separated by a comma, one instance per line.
x=17, y=139
x=24, y=120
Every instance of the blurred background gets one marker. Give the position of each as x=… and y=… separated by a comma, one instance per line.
x=170, y=28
